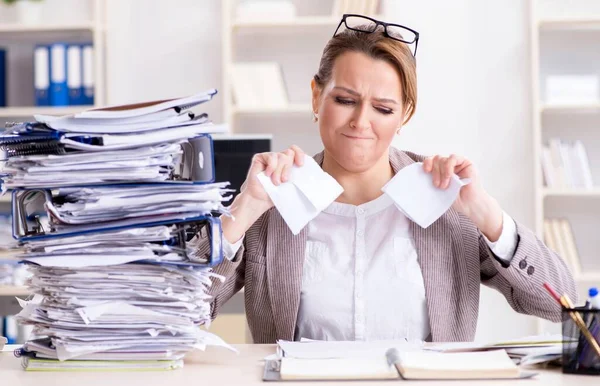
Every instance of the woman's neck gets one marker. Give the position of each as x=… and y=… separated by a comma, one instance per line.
x=362, y=187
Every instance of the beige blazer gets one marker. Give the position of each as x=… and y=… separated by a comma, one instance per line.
x=452, y=253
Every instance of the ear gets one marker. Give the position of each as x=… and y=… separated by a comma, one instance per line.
x=316, y=96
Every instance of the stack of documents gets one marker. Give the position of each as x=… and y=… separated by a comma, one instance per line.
x=104, y=228
x=134, y=143
x=76, y=209
x=528, y=350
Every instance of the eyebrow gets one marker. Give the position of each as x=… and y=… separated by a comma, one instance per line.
x=352, y=92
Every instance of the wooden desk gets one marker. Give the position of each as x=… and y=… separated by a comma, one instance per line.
x=222, y=368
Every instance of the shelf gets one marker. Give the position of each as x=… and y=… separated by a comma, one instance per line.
x=588, y=277
x=30, y=111
x=13, y=28
x=571, y=192
x=303, y=21
x=12, y=290
x=592, y=23
x=298, y=108
x=570, y=108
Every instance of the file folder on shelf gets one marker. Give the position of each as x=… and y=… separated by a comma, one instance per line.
x=59, y=93
x=74, y=74
x=88, y=83
x=41, y=75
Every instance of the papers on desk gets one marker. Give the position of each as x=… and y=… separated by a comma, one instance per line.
x=525, y=351
x=342, y=349
x=134, y=311
x=31, y=364
x=383, y=360
x=108, y=145
x=116, y=284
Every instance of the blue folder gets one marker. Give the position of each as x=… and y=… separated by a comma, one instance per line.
x=88, y=88
x=59, y=92
x=41, y=75
x=75, y=74
x=23, y=231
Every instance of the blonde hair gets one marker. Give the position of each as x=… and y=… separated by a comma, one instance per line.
x=377, y=46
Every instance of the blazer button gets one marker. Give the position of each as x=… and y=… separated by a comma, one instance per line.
x=530, y=270
x=522, y=264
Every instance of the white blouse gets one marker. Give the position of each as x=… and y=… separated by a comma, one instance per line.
x=363, y=280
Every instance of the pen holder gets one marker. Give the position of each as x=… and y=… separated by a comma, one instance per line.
x=579, y=356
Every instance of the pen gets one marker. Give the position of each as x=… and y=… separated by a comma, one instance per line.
x=566, y=303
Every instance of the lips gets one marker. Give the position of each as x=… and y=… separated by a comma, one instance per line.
x=355, y=137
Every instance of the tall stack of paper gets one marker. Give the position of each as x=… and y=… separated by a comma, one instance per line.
x=104, y=207
x=135, y=143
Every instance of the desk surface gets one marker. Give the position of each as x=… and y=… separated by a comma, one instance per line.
x=222, y=367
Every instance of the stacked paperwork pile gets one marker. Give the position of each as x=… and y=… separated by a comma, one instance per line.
x=104, y=203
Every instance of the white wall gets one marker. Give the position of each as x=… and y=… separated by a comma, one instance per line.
x=474, y=99
x=474, y=86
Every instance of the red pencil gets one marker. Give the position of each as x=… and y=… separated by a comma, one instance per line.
x=553, y=293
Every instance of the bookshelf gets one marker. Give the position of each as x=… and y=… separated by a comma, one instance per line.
x=563, y=42
x=8, y=28
x=300, y=21
x=91, y=30
x=296, y=44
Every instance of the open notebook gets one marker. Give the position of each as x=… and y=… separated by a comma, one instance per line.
x=398, y=365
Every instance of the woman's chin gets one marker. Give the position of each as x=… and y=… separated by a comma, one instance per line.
x=356, y=162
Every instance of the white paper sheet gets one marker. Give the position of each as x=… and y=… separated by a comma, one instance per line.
x=413, y=192
x=308, y=191
x=344, y=349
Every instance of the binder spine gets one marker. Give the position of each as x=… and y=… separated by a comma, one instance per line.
x=74, y=74
x=88, y=77
x=59, y=95
x=41, y=75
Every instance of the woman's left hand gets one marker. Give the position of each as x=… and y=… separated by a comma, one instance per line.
x=473, y=201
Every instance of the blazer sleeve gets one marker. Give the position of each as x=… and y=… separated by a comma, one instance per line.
x=521, y=281
x=231, y=272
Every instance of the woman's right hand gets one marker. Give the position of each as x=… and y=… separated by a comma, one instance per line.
x=277, y=166
x=253, y=200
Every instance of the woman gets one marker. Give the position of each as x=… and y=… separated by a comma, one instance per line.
x=361, y=270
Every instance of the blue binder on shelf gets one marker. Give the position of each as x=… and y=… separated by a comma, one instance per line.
x=74, y=74
x=59, y=93
x=88, y=77
x=3, y=77
x=41, y=75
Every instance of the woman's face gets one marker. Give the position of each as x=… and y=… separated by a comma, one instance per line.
x=360, y=110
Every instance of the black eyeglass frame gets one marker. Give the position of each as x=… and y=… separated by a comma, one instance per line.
x=377, y=24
